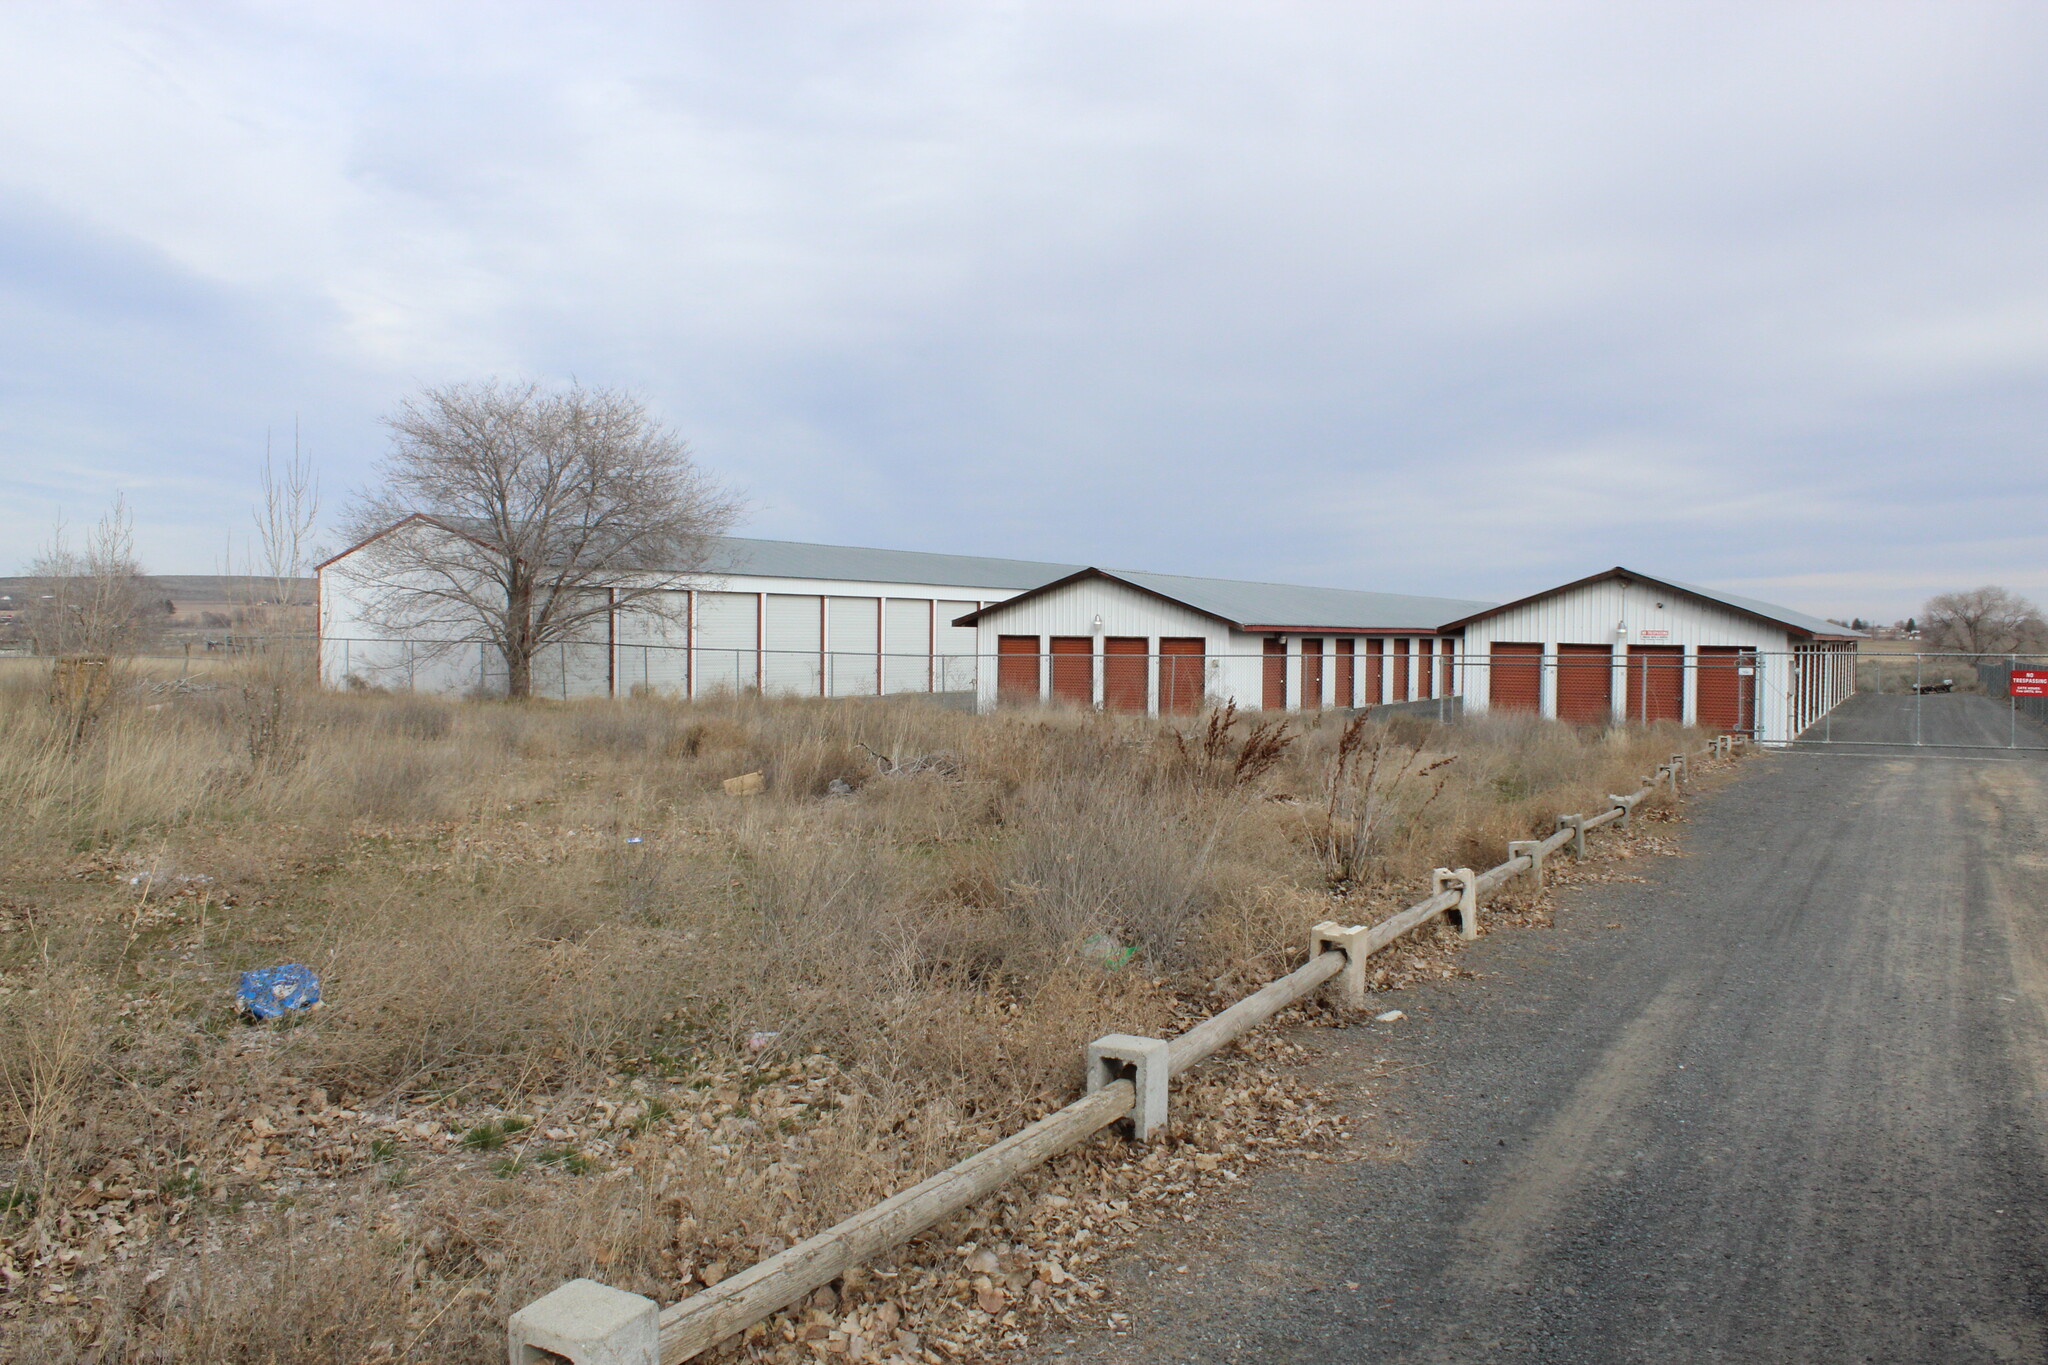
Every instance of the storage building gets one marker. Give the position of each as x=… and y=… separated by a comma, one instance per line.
x=1622, y=645
x=782, y=616
x=1125, y=640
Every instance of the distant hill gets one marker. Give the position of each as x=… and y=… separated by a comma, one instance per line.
x=199, y=589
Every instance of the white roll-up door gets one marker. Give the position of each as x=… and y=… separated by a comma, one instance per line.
x=728, y=633
x=955, y=646
x=853, y=638
x=649, y=653
x=790, y=651
x=906, y=645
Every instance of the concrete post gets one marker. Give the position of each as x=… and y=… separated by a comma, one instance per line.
x=1577, y=825
x=1116, y=1055
x=1330, y=936
x=1532, y=847
x=1467, y=886
x=1626, y=805
x=587, y=1323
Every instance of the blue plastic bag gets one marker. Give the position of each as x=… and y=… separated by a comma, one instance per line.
x=269, y=992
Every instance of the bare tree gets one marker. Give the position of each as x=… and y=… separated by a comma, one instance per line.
x=1983, y=621
x=524, y=516
x=91, y=601
x=285, y=520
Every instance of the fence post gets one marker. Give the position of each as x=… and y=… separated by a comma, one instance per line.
x=587, y=1323
x=1115, y=1056
x=1532, y=847
x=1577, y=825
x=1467, y=887
x=1330, y=936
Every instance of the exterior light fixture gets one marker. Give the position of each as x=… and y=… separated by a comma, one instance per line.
x=1098, y=620
x=1621, y=628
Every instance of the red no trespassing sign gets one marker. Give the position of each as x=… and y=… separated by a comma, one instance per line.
x=2030, y=682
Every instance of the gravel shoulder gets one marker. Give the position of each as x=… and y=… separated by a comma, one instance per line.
x=1783, y=1099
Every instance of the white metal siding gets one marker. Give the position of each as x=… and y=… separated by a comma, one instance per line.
x=1592, y=615
x=956, y=647
x=726, y=640
x=1614, y=613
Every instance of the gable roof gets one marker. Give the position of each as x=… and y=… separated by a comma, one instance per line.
x=1256, y=607
x=800, y=559
x=1797, y=621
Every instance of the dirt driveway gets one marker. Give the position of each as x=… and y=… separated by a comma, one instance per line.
x=1786, y=1100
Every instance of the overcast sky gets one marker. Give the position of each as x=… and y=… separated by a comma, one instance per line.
x=1453, y=299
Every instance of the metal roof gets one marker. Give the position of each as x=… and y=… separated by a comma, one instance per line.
x=1812, y=624
x=798, y=559
x=1749, y=606
x=1275, y=606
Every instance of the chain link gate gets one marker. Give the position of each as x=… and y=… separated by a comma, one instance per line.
x=1941, y=701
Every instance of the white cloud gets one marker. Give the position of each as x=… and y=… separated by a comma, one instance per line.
x=1738, y=293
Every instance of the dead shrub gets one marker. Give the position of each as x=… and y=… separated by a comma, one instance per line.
x=834, y=994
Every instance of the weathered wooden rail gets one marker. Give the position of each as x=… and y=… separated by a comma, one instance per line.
x=587, y=1323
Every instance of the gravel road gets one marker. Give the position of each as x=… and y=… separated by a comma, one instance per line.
x=1785, y=1101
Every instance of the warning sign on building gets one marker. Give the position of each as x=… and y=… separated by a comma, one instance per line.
x=2030, y=682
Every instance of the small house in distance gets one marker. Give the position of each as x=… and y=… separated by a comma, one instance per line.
x=1123, y=640
x=1621, y=645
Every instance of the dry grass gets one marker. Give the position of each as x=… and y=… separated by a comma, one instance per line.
x=588, y=1014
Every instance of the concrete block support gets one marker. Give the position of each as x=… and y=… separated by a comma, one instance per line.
x=1330, y=936
x=1577, y=825
x=587, y=1323
x=1466, y=883
x=1626, y=805
x=1117, y=1055
x=1534, y=848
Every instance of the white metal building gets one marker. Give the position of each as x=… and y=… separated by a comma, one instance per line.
x=1145, y=642
x=1622, y=645
x=784, y=616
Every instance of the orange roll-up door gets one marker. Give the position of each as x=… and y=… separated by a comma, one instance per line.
x=1515, y=678
x=1016, y=669
x=1656, y=682
x=1180, y=676
x=1073, y=669
x=1123, y=673
x=1585, y=684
